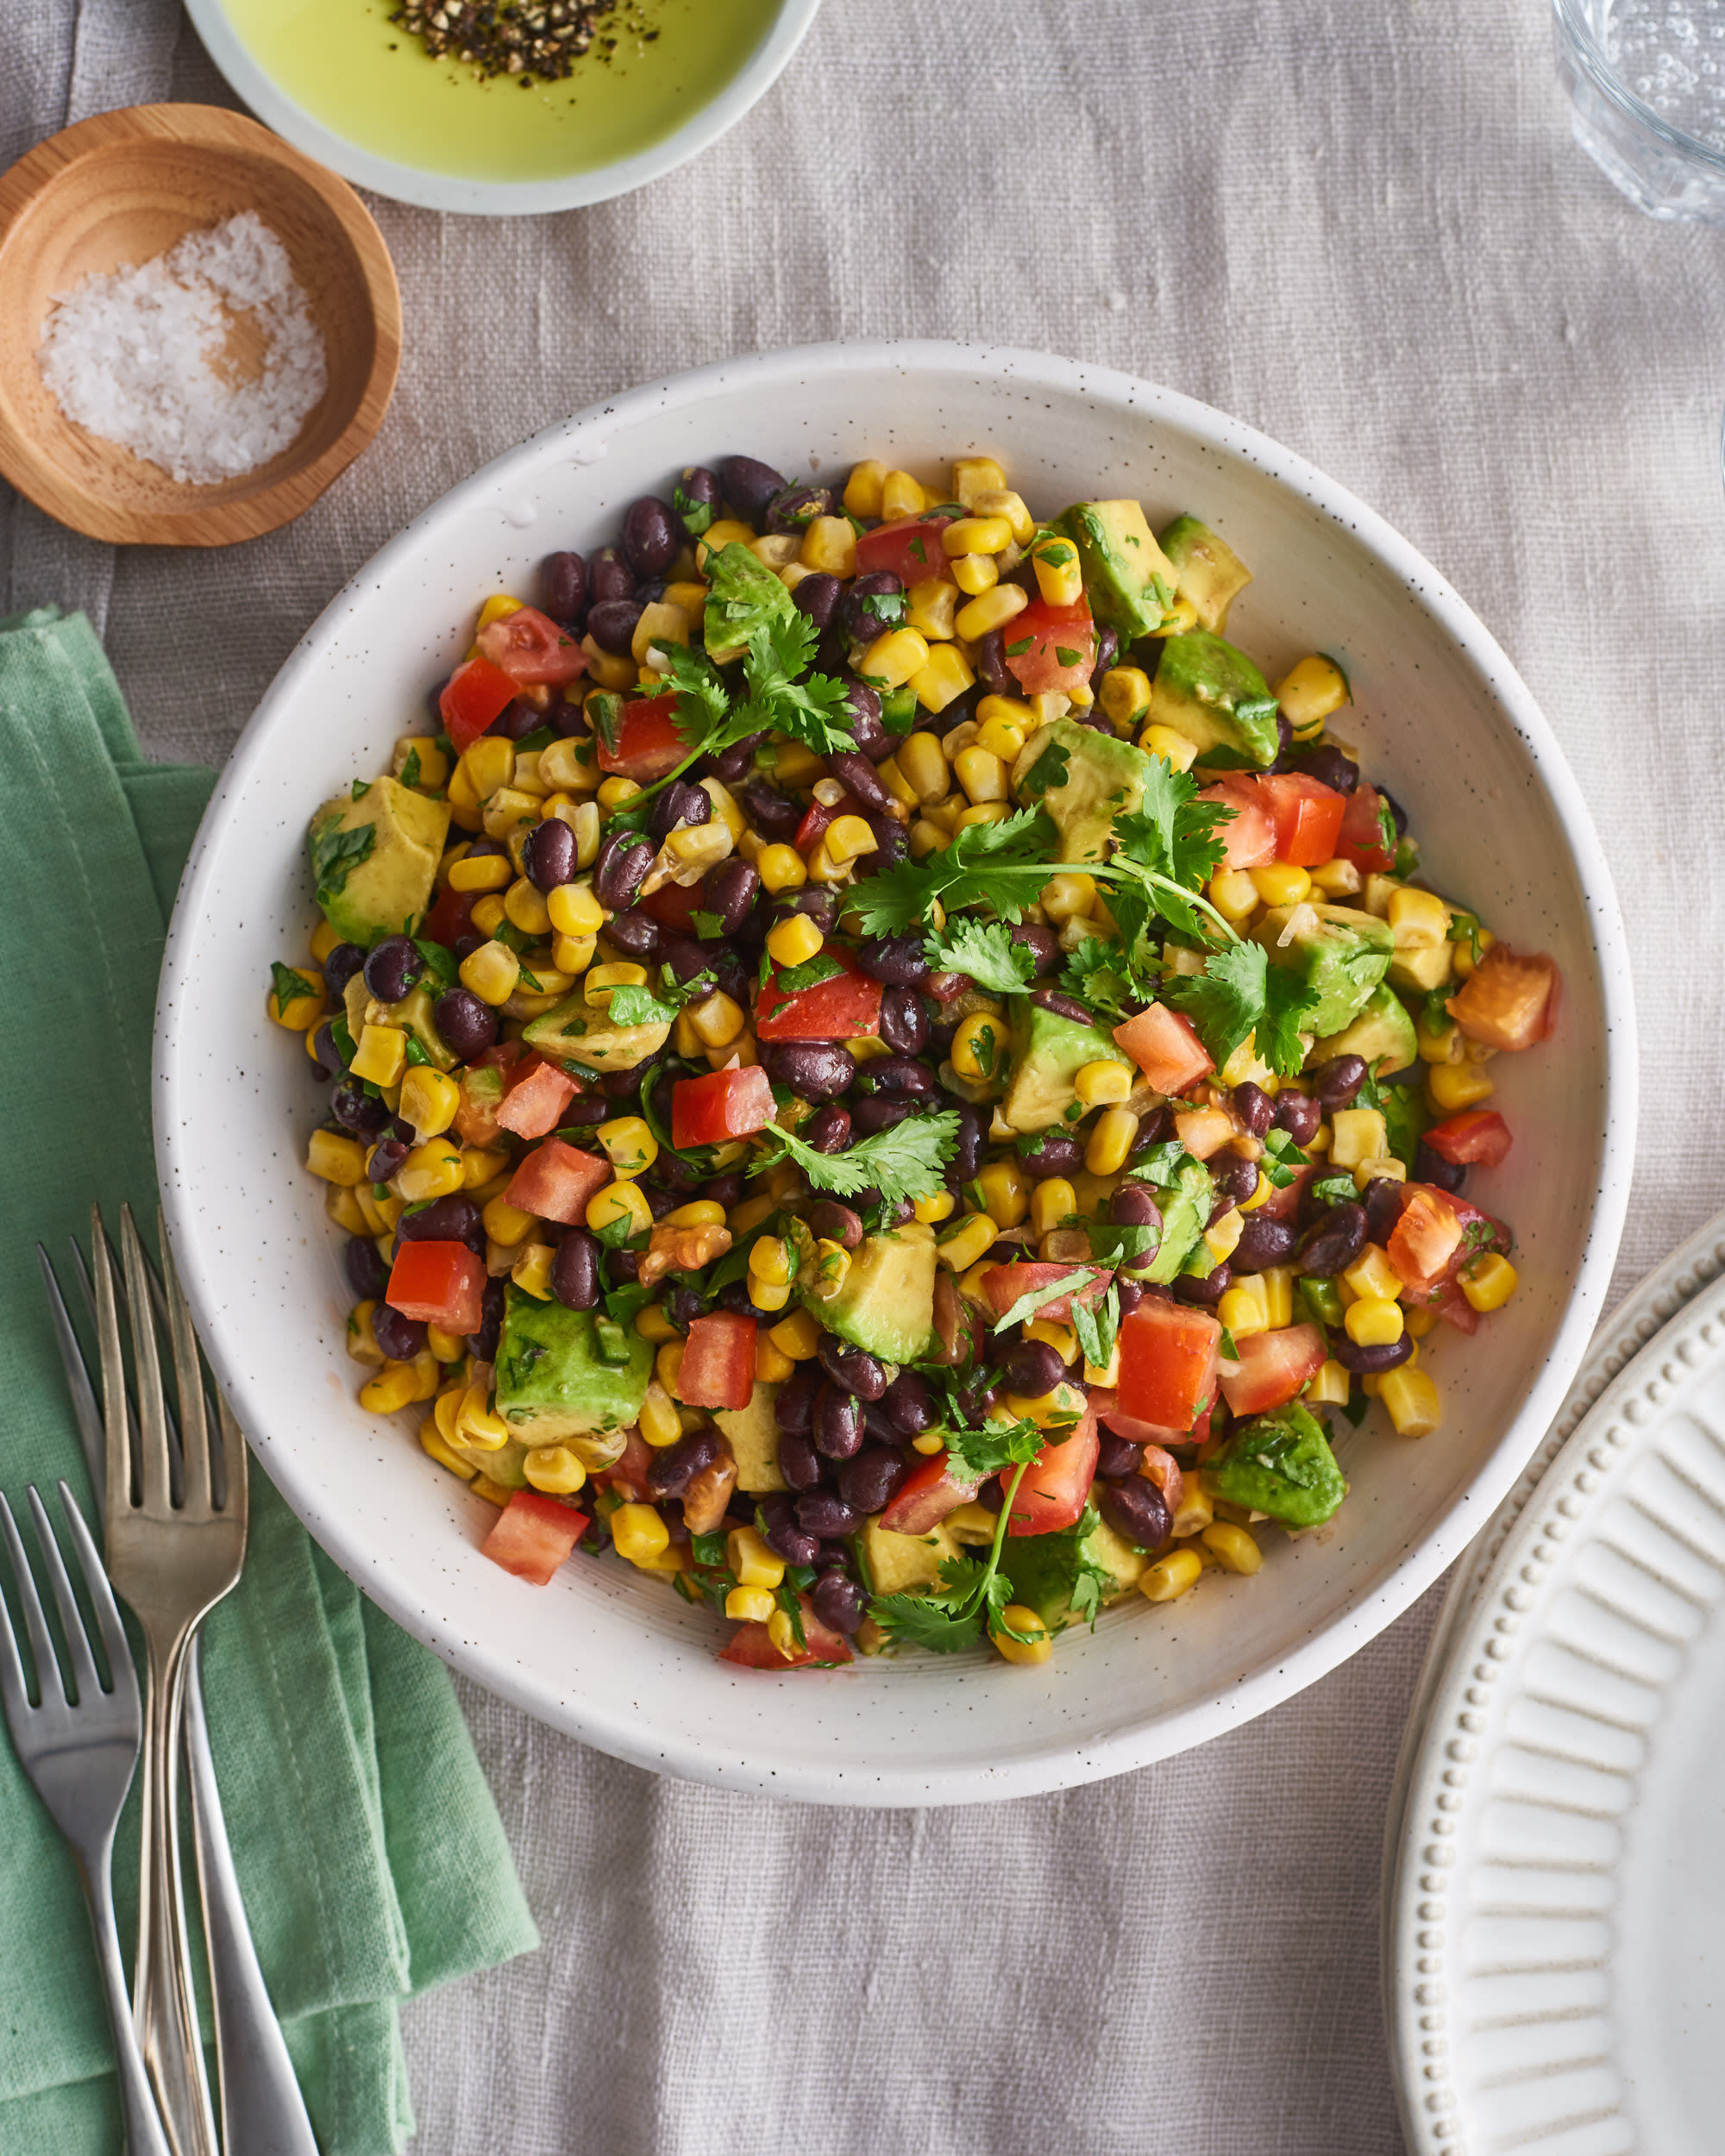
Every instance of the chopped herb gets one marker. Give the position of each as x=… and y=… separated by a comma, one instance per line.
x=1018, y=649
x=1068, y=658
x=413, y=1053
x=985, y=952
x=361, y=787
x=336, y=853
x=906, y=1162
x=707, y=925
x=290, y=986
x=1048, y=771
x=409, y=769
x=696, y=516
x=632, y=1006
x=793, y=979
x=1036, y=1298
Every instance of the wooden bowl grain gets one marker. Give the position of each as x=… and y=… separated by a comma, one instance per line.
x=123, y=188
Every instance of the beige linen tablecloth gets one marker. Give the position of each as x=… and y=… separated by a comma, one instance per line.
x=1365, y=229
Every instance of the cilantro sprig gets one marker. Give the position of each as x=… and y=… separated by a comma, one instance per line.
x=1240, y=995
x=985, y=951
x=907, y=1160
x=973, y=1592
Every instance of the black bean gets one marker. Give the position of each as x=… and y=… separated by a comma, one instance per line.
x=798, y=1462
x=670, y=1471
x=610, y=624
x=1063, y=1007
x=1132, y=1292
x=651, y=535
x=749, y=486
x=622, y=1085
x=1383, y=1200
x=732, y=765
x=820, y=905
x=1335, y=1242
x=794, y=508
x=355, y=1109
x=892, y=843
x=1134, y=1206
x=1205, y=1290
x=675, y=1174
x=838, y=1603
x=400, y=1338
x=683, y=1306
x=1136, y=1510
x=863, y=720
x=873, y=1479
x=1398, y=814
x=1428, y=1167
x=857, y=774
x=966, y=1150
x=563, y=589
x=837, y=1423
x=623, y=1266
x=1299, y=1114
x=549, y=854
x=834, y=1223
x=730, y=890
x=1337, y=1082
x=734, y=1295
x=635, y=932
x=1263, y=1243
x=1254, y=1107
x=366, y=1272
x=880, y=1111
x=574, y=1271
x=793, y=1409
x=567, y=720
x=519, y=720
x=492, y=1304
x=1045, y=1153
x=393, y=968
x=772, y=813
x=828, y=1129
x=1042, y=944
x=817, y=597
x=1108, y=651
x=586, y=1109
x=991, y=664
x=340, y=966
x=452, y=1219
x=681, y=802
x=781, y=1533
x=696, y=498
x=725, y=1190
x=977, y=1396
x=1234, y=1178
x=1031, y=1367
x=623, y=860
x=896, y=1075
x=897, y=960
x=1117, y=1455
x=825, y=1514
x=1368, y=1362
x=813, y=1070
x=609, y=577
x=853, y=1369
x=1327, y=765
x=658, y=1198
x=873, y=604
x=386, y=1158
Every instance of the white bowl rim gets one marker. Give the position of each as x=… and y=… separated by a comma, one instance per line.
x=1059, y=1763
x=494, y=198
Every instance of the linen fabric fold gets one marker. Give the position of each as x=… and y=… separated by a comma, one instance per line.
x=368, y=1848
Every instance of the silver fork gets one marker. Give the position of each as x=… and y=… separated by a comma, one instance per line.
x=79, y=1747
x=263, y=2112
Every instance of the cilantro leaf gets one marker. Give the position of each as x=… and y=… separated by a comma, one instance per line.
x=977, y=1454
x=946, y=1618
x=985, y=950
x=1028, y=1303
x=1102, y=975
x=630, y=1006
x=906, y=1161
x=1464, y=928
x=694, y=516
x=1048, y=771
x=1227, y=1000
x=1288, y=1005
x=1097, y=1327
x=438, y=962
x=1334, y=1190
x=707, y=925
x=810, y=711
x=1003, y=865
x=409, y=770
x=289, y=986
x=336, y=853
x=702, y=701
x=790, y=979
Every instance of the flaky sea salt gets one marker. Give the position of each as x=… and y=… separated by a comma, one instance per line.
x=141, y=358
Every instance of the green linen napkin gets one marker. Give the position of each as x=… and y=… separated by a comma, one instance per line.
x=369, y=1851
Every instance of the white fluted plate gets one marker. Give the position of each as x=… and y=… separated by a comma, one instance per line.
x=1554, y=1965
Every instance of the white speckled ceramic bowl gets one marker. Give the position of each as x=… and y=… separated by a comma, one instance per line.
x=607, y=1654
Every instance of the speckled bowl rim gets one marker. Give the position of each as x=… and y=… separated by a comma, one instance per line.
x=495, y=197
x=1059, y=1762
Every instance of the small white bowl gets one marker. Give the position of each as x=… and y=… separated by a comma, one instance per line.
x=607, y=1654
x=436, y=189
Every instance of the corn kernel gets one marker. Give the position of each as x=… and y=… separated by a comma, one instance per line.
x=923, y=762
x=394, y=1388
x=1058, y=576
x=961, y=1247
x=792, y=941
x=1489, y=1282
x=902, y=496
x=998, y=735
x=1281, y=883
x=1232, y=1548
x=979, y=1045
x=862, y=489
x=601, y=980
x=946, y=676
x=1412, y=1400
x=1311, y=689
x=981, y=774
x=430, y=1171
x=482, y=872
x=1329, y=1389
x=658, y=1421
x=750, y=1605
x=972, y=477
x=1112, y=1137
x=629, y=1145
x=1241, y=1308
x=429, y=1101
x=797, y=1335
x=1175, y=750
x=1450, y=1086
x=1168, y=1578
x=574, y=909
x=1050, y=1203
x=976, y=534
x=434, y=1441
x=1357, y=1134
x=1101, y=1084
x=1124, y=697
x=983, y=812
x=936, y=1207
x=342, y=1204
x=1035, y=1647
x=848, y=838
x=1232, y=892
x=990, y=611
x=1068, y=897
x=752, y=1559
x=1373, y=1321
x=975, y=574
x=620, y=1200
x=492, y=973
x=891, y=659
x=781, y=868
x=1420, y=919
x=489, y=764
x=381, y=1055
x=931, y=608
x=717, y=1019
x=639, y=1534
x=772, y=1365
x=1005, y=1192
x=336, y=1159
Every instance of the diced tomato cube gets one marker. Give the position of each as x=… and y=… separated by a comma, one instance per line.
x=1425, y=1238
x=1273, y=1368
x=1165, y=1045
x=1004, y=1284
x=1307, y=817
x=1510, y=1002
x=726, y=1104
x=647, y=742
x=1050, y=648
x=557, y=1182
x=627, y=1473
x=475, y=695
x=675, y=905
x=1477, y=1135
x=534, y=1534
x=536, y=1098
x=816, y=819
x=1451, y=1304
x=910, y=550
x=529, y=647
x=484, y=1082
x=439, y=1283
x=1249, y=840
x=1284, y=1202
x=1168, y=1362
x=845, y=1006
x=718, y=1361
x=1367, y=834
x=928, y=1494
x=451, y=915
x=1057, y=1484
x=750, y=1647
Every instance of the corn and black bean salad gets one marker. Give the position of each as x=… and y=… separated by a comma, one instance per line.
x=884, y=1074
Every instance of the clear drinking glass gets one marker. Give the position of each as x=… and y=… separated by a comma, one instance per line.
x=1646, y=81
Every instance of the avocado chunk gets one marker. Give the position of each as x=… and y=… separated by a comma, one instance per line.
x=753, y=1437
x=1206, y=570
x=1048, y=1053
x=506, y=1467
x=412, y=1014
x=1129, y=580
x=886, y=1302
x=1084, y=780
x=374, y=860
x=1186, y=1207
x=1382, y=1032
x=552, y=1381
x=1342, y=955
x=903, y=1564
x=580, y=1035
x=1217, y=699
x=1282, y=1465
x=1070, y=1573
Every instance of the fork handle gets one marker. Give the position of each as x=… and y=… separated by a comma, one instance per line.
x=162, y=2003
x=263, y=2112
x=138, y=2113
